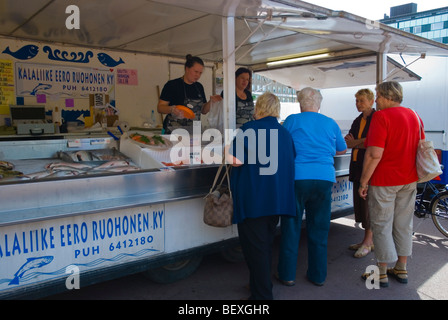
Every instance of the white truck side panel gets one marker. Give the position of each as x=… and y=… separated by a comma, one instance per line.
x=429, y=97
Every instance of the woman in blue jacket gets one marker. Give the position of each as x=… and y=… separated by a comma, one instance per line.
x=262, y=184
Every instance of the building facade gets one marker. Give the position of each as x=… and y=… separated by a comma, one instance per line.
x=261, y=84
x=431, y=24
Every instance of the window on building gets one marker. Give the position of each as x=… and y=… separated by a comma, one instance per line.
x=437, y=26
x=426, y=28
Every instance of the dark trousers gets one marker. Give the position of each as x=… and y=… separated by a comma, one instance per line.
x=360, y=207
x=256, y=239
x=313, y=197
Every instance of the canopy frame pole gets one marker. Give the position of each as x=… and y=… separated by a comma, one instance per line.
x=381, y=67
x=228, y=45
x=381, y=59
x=259, y=41
x=395, y=71
x=252, y=32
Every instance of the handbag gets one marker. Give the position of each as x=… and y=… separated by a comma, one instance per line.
x=427, y=162
x=218, y=208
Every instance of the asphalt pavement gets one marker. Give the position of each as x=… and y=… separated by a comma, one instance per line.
x=217, y=279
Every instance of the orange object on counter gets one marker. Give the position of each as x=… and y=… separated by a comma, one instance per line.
x=188, y=113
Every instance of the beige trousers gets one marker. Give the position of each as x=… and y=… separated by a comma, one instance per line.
x=391, y=217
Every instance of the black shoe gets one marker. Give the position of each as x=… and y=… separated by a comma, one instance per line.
x=285, y=282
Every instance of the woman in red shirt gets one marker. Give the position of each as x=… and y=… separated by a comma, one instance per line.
x=390, y=176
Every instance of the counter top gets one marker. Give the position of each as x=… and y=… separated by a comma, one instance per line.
x=56, y=198
x=86, y=133
x=55, y=136
x=52, y=198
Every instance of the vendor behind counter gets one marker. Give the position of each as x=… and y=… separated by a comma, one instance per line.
x=186, y=91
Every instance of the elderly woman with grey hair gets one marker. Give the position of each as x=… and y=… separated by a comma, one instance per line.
x=317, y=139
x=262, y=190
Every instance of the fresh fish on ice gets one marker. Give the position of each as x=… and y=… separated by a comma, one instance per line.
x=111, y=164
x=118, y=169
x=66, y=173
x=56, y=172
x=38, y=175
x=83, y=156
x=80, y=166
x=68, y=168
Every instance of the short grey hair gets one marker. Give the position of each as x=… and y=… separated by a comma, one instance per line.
x=391, y=90
x=309, y=99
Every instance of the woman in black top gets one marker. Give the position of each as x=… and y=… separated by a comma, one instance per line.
x=186, y=91
x=244, y=102
x=355, y=140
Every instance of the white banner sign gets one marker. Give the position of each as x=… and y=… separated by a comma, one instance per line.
x=62, y=81
x=342, y=194
x=42, y=251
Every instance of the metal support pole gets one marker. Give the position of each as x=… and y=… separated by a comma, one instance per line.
x=381, y=58
x=381, y=67
x=228, y=39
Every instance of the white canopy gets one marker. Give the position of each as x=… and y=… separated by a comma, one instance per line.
x=340, y=49
x=265, y=30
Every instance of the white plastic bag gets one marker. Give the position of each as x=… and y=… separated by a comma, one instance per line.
x=215, y=115
x=427, y=162
x=428, y=166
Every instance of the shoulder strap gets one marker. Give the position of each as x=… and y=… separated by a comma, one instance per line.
x=419, y=123
x=218, y=173
x=226, y=175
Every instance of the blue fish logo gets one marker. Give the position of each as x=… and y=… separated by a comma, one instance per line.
x=108, y=61
x=24, y=53
x=31, y=263
x=40, y=87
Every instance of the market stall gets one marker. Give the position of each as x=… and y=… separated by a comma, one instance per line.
x=122, y=205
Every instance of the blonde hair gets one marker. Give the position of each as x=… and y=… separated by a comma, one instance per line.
x=309, y=99
x=391, y=90
x=366, y=93
x=267, y=105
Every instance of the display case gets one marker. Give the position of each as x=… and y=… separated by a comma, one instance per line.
x=107, y=224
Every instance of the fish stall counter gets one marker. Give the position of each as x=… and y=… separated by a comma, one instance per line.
x=97, y=225
x=64, y=231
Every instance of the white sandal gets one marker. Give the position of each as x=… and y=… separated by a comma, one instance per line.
x=362, y=251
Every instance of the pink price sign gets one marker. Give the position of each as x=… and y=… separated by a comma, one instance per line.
x=127, y=77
